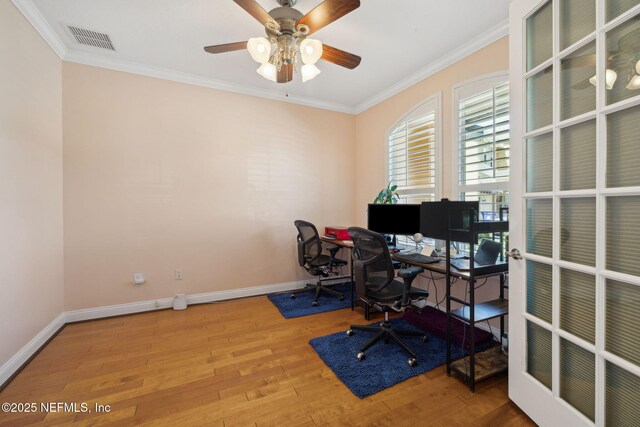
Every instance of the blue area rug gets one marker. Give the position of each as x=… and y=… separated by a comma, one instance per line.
x=301, y=306
x=385, y=364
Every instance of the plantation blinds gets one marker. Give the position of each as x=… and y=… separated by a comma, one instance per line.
x=412, y=146
x=482, y=172
x=484, y=137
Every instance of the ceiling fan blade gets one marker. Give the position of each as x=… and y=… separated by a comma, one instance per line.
x=327, y=12
x=229, y=47
x=255, y=10
x=340, y=57
x=285, y=74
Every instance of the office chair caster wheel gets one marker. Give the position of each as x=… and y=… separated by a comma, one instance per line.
x=349, y=332
x=412, y=362
x=424, y=339
x=314, y=304
x=360, y=356
x=292, y=296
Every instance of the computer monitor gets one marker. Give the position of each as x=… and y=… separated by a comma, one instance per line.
x=437, y=217
x=394, y=219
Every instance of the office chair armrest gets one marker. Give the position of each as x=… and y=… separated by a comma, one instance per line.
x=333, y=250
x=408, y=274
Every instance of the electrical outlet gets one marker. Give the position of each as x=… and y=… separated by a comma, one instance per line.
x=138, y=278
x=179, y=274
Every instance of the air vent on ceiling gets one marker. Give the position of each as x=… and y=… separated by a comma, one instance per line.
x=91, y=38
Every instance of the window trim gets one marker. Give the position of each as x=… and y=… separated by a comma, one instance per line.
x=436, y=98
x=460, y=91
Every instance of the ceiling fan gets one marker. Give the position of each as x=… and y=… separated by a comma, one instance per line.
x=287, y=33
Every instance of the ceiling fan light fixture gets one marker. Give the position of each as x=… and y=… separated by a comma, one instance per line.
x=634, y=84
x=259, y=48
x=310, y=51
x=309, y=71
x=268, y=71
x=609, y=79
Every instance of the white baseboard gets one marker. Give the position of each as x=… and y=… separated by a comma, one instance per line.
x=244, y=292
x=157, y=304
x=25, y=353
x=20, y=358
x=116, y=310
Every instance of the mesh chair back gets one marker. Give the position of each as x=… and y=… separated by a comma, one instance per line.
x=309, y=244
x=372, y=262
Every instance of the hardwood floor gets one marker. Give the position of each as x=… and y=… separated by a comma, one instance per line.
x=237, y=363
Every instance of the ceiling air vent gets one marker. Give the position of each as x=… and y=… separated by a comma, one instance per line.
x=91, y=38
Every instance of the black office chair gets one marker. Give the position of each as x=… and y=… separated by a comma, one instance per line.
x=311, y=258
x=376, y=285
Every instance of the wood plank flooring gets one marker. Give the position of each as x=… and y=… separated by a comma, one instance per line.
x=236, y=363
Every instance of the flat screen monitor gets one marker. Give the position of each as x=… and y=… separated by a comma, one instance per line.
x=394, y=219
x=435, y=217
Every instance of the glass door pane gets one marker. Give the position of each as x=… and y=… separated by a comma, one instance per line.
x=577, y=20
x=623, y=234
x=623, y=150
x=578, y=230
x=623, y=327
x=578, y=304
x=540, y=99
x=540, y=226
x=623, y=61
x=622, y=397
x=577, y=72
x=539, y=290
x=578, y=378
x=539, y=353
x=578, y=156
x=616, y=8
x=539, y=36
x=540, y=163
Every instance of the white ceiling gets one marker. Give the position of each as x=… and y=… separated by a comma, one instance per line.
x=400, y=42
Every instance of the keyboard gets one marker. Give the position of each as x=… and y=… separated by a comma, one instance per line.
x=414, y=257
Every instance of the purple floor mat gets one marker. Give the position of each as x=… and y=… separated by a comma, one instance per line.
x=434, y=321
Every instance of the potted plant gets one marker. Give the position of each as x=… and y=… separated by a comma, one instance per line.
x=387, y=196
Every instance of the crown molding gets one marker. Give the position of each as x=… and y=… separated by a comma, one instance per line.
x=35, y=18
x=117, y=64
x=463, y=51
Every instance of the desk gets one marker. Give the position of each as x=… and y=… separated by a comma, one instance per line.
x=492, y=362
x=479, y=273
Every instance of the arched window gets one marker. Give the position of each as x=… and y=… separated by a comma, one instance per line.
x=413, y=146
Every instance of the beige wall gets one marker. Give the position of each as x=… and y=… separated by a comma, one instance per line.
x=161, y=175
x=373, y=125
x=31, y=284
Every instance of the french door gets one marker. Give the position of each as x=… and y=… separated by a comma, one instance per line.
x=574, y=291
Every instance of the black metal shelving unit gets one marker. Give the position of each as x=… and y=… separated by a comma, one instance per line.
x=470, y=311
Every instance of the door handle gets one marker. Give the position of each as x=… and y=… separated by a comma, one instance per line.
x=514, y=253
